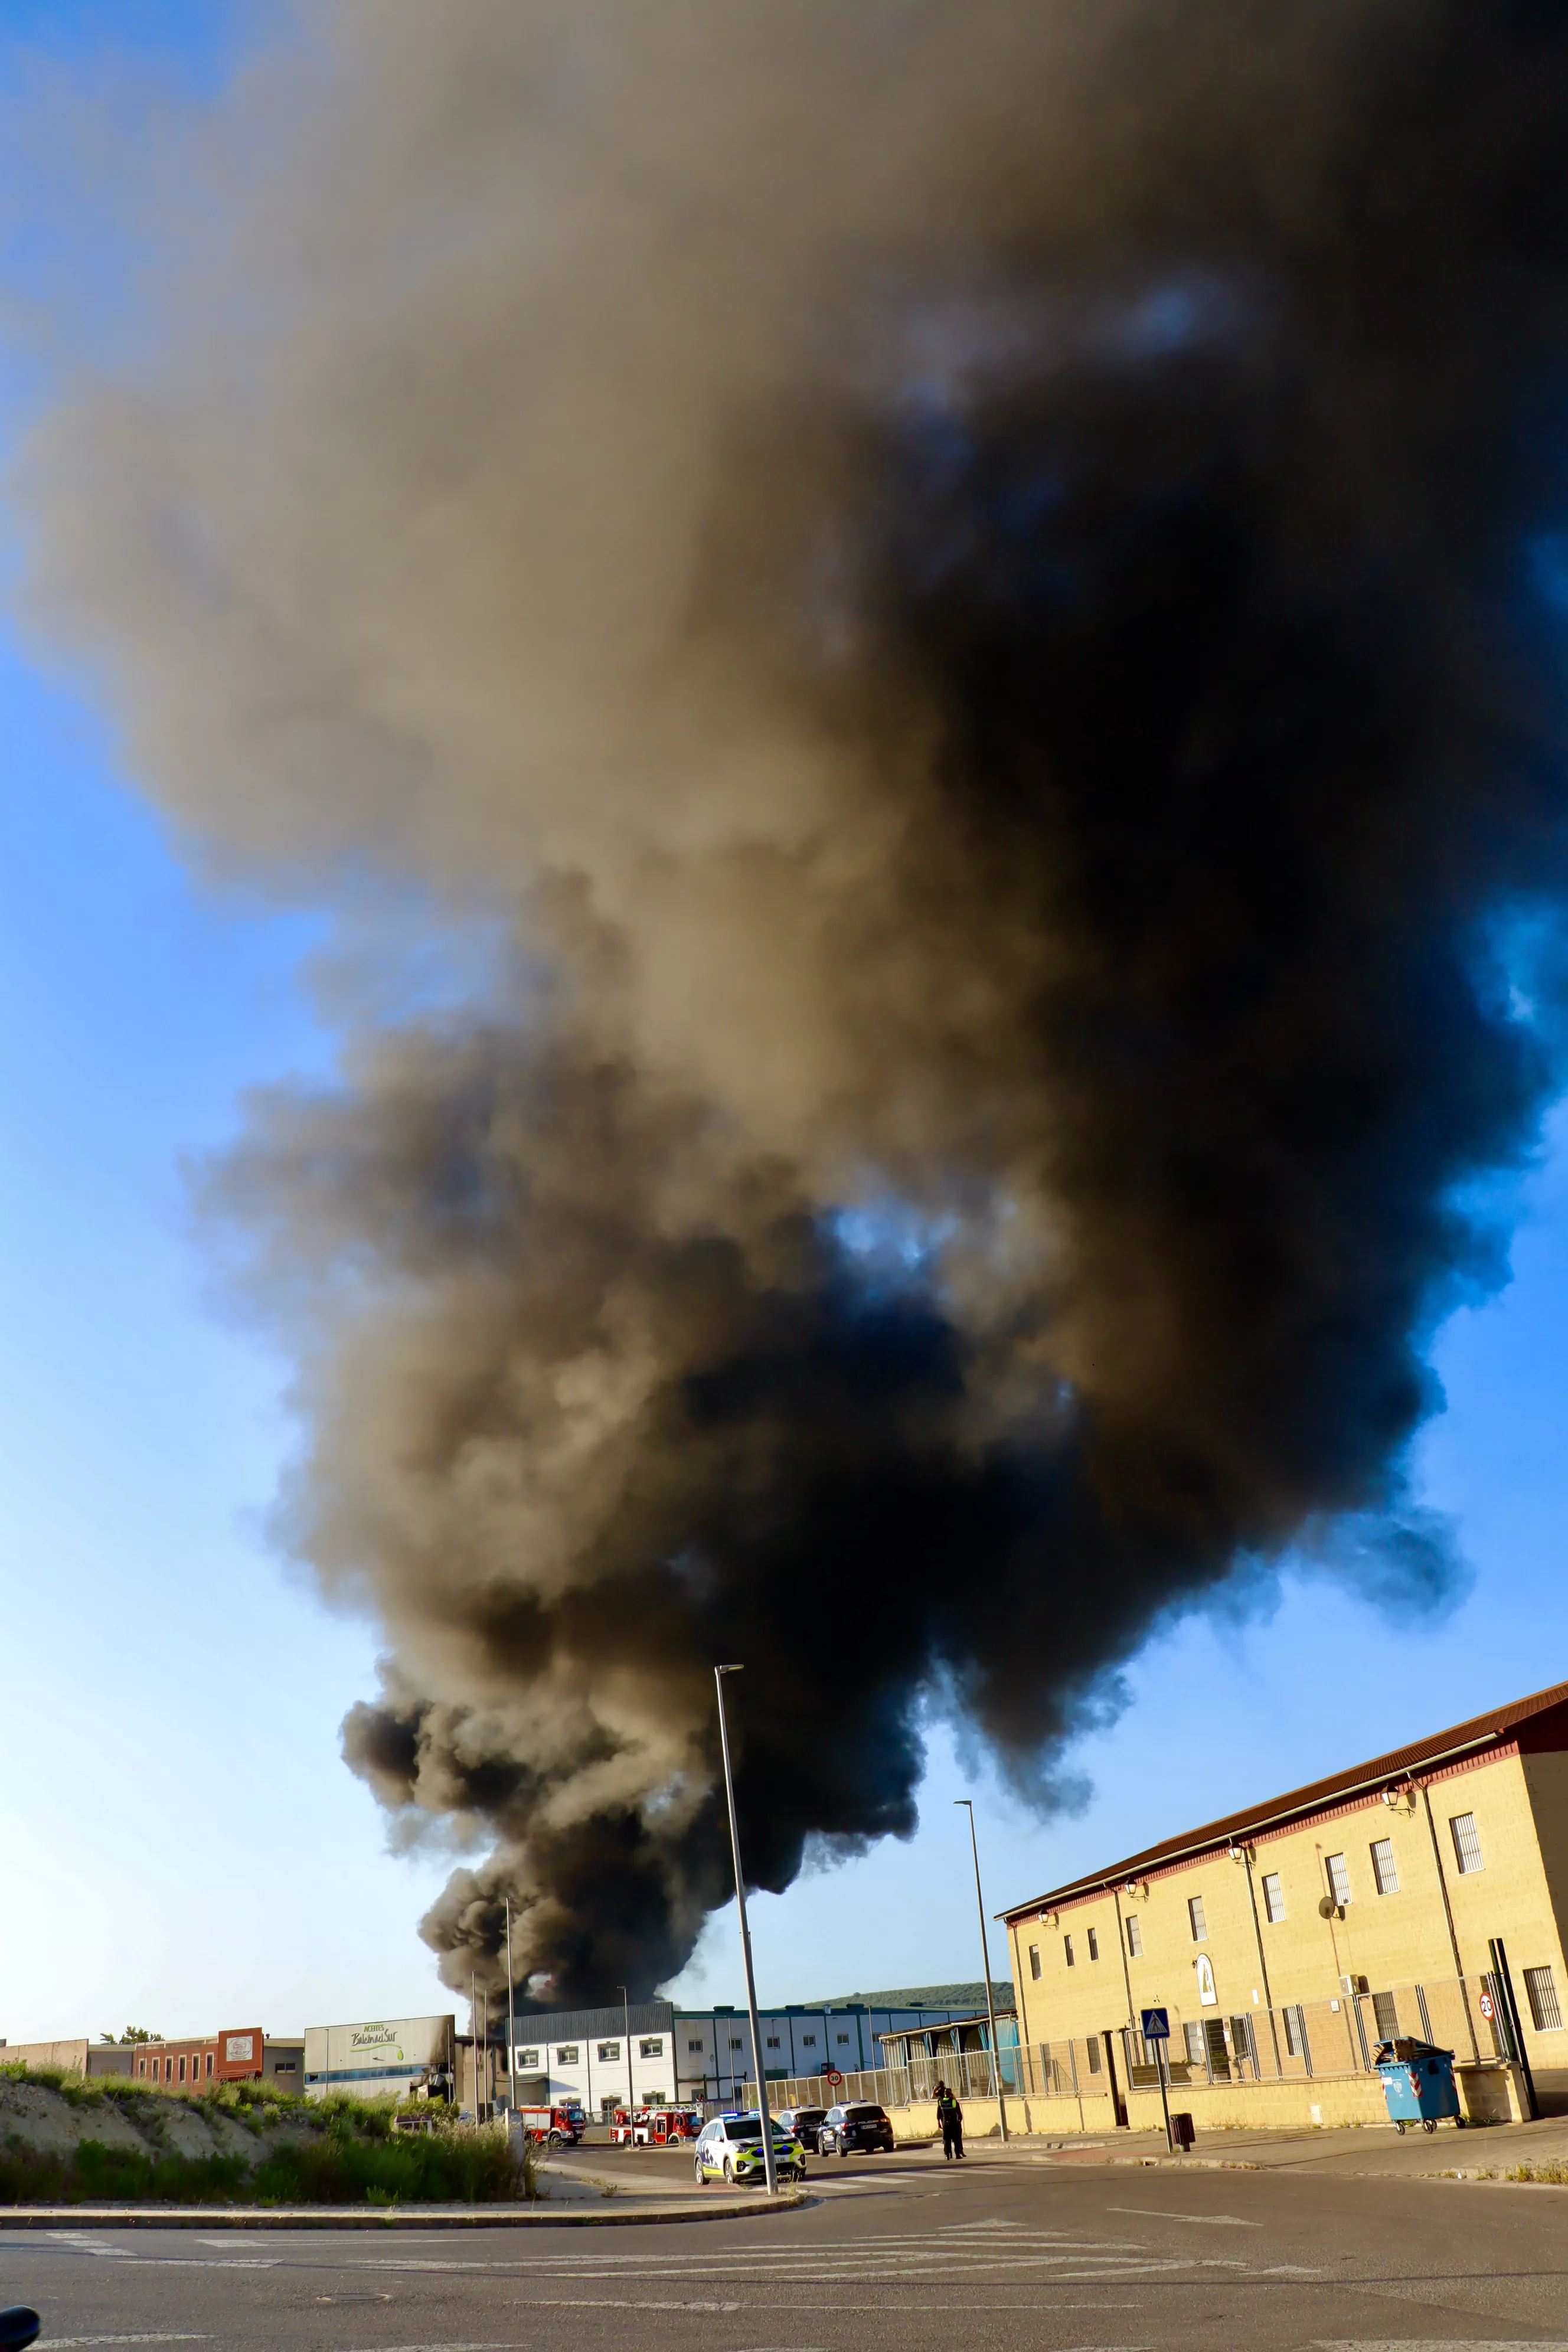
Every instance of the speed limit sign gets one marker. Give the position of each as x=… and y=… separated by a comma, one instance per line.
x=831, y=2074
x=1486, y=2006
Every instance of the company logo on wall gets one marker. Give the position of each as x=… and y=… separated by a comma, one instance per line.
x=238, y=2048
x=379, y=2038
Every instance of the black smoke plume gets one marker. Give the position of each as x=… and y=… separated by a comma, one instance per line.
x=955, y=613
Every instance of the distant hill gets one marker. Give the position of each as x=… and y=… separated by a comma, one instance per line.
x=971, y=1997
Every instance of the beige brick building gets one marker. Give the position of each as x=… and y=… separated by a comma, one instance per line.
x=1424, y=1893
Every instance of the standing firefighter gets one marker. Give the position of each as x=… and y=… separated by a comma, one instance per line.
x=950, y=2115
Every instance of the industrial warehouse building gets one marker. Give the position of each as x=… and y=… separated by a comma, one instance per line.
x=235, y=2054
x=1423, y=1894
x=690, y=2056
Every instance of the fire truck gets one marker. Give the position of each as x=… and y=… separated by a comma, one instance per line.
x=654, y=2127
x=552, y=2126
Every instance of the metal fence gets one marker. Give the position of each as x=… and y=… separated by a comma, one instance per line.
x=1318, y=2040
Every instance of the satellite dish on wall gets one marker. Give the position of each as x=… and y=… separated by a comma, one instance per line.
x=1327, y=1906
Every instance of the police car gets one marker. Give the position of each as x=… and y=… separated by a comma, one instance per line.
x=731, y=2149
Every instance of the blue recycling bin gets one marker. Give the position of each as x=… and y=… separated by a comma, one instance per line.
x=1417, y=2084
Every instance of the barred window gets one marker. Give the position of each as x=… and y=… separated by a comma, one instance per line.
x=1385, y=1876
x=1094, y=1943
x=1386, y=2015
x=1467, y=1845
x=1338, y=1878
x=1295, y=2032
x=1541, y=1995
x=1035, y=1962
x=1273, y=1897
x=1067, y=1946
x=1195, y=1914
x=1135, y=1940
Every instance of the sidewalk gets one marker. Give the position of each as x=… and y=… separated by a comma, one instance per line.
x=574, y=2202
x=1478, y=2153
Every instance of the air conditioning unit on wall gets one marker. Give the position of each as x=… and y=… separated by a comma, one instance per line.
x=1354, y=1985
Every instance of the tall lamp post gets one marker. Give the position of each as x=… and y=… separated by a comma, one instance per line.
x=985, y=1955
x=627, y=2015
x=769, y=2167
x=510, y=2019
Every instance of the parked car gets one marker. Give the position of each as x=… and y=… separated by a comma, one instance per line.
x=856, y=2129
x=731, y=2149
x=805, y=2123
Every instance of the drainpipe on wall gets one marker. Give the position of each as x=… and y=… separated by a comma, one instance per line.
x=1449, y=1916
x=1262, y=1962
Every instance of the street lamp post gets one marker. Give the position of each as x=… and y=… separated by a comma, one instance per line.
x=631, y=2091
x=769, y=2167
x=510, y=2019
x=985, y=1955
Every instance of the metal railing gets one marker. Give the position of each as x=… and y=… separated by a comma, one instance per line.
x=1317, y=2041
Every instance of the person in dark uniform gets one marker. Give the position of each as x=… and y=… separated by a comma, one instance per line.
x=950, y=2115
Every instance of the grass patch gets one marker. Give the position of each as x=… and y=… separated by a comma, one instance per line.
x=1554, y=2171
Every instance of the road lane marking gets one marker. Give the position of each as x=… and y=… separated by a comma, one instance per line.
x=1214, y=2220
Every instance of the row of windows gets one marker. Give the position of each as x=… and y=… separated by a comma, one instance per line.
x=162, y=2069
x=1385, y=1877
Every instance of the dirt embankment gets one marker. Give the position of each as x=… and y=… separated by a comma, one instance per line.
x=62, y=2138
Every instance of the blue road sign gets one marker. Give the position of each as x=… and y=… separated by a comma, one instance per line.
x=1156, y=2025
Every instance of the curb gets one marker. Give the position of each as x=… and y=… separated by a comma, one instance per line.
x=356, y=2216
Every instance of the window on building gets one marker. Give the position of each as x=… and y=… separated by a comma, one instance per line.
x=694, y=2049
x=1193, y=2037
x=1338, y=1877
x=1295, y=2032
x=1094, y=1943
x=1067, y=1948
x=809, y=2039
x=528, y=2058
x=1541, y=1995
x=1242, y=2039
x=609, y=2049
x=1195, y=1914
x=567, y=2053
x=1386, y=2014
x=210, y=2067
x=654, y=2049
x=1035, y=1962
x=736, y=2043
x=1135, y=1940
x=1467, y=1845
x=1094, y=2056
x=182, y=2065
x=773, y=2041
x=1384, y=1874
x=1273, y=1897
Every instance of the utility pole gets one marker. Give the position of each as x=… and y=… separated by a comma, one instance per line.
x=510, y=2019
x=769, y=2167
x=985, y=1955
x=631, y=2087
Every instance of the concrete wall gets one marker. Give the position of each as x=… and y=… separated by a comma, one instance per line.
x=69, y=2057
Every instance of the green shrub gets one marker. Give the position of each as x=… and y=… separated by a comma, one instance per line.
x=334, y=2167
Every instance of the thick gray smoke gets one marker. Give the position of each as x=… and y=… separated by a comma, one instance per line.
x=957, y=604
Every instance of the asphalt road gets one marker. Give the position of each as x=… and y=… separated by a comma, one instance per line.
x=901, y=2251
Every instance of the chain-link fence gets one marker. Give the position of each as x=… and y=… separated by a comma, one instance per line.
x=1318, y=2040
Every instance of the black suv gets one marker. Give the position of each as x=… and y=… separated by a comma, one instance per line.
x=858, y=2128
x=806, y=2123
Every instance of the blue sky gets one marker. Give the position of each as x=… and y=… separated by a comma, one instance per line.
x=179, y=1844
